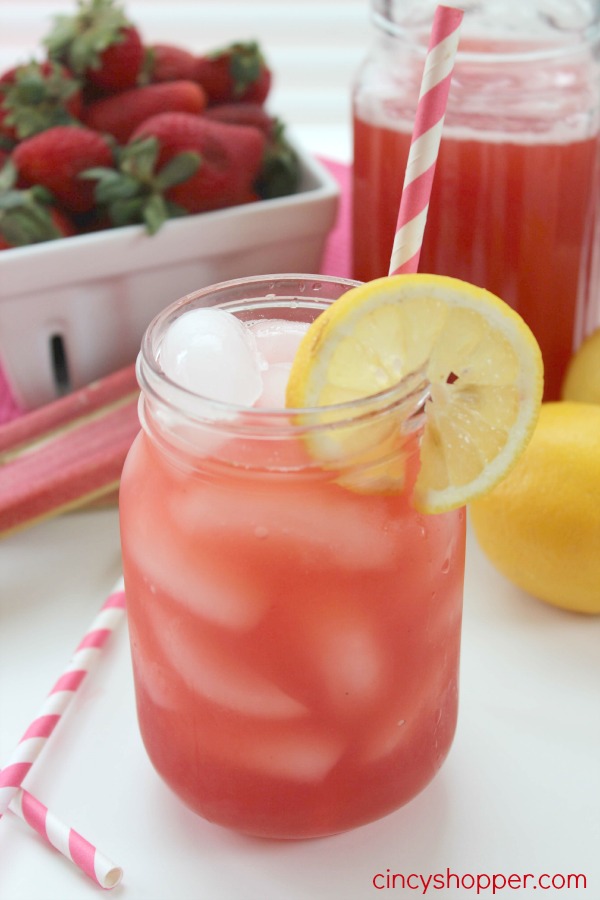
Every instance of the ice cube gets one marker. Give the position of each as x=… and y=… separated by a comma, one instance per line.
x=152, y=679
x=218, y=675
x=352, y=664
x=299, y=755
x=387, y=738
x=201, y=585
x=409, y=711
x=210, y=352
x=304, y=520
x=218, y=591
x=278, y=339
x=275, y=379
x=347, y=658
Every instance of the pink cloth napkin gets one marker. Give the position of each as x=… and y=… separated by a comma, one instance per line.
x=336, y=261
x=9, y=408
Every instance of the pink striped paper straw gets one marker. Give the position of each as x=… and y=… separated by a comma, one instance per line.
x=425, y=142
x=66, y=840
x=86, y=655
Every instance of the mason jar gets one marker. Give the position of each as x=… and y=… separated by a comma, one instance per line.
x=515, y=199
x=294, y=622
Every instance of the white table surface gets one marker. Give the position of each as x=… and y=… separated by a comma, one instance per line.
x=519, y=793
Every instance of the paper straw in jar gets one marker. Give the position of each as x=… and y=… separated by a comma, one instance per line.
x=66, y=840
x=84, y=659
x=425, y=141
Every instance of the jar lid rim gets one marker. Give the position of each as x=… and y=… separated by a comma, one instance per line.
x=409, y=394
x=514, y=44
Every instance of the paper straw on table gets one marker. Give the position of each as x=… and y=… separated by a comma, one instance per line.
x=66, y=840
x=57, y=701
x=425, y=142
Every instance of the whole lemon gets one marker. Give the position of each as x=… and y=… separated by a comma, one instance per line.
x=582, y=378
x=541, y=525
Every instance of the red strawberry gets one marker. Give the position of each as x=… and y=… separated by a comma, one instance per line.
x=252, y=114
x=235, y=73
x=56, y=157
x=36, y=96
x=62, y=222
x=121, y=113
x=280, y=171
x=230, y=159
x=178, y=163
x=99, y=44
x=166, y=62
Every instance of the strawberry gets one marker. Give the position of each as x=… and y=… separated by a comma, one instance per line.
x=230, y=159
x=253, y=114
x=36, y=96
x=178, y=163
x=98, y=44
x=134, y=192
x=280, y=171
x=56, y=157
x=237, y=72
x=28, y=216
x=120, y=114
x=166, y=62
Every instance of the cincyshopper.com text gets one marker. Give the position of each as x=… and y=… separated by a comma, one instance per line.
x=478, y=883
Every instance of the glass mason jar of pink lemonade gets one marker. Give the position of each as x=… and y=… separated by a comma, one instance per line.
x=294, y=629
x=515, y=201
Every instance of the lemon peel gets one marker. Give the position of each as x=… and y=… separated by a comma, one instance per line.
x=480, y=361
x=540, y=526
x=582, y=378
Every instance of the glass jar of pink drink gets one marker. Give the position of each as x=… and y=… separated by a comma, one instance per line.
x=295, y=626
x=516, y=195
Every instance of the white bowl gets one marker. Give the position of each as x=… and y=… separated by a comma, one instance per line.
x=75, y=309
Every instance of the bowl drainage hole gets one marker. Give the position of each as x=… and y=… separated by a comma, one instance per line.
x=60, y=364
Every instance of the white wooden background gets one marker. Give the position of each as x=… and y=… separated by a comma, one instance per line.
x=313, y=46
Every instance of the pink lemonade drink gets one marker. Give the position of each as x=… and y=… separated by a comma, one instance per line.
x=295, y=640
x=512, y=217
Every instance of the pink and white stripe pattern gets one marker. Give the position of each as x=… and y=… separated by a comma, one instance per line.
x=426, y=137
x=85, y=657
x=66, y=840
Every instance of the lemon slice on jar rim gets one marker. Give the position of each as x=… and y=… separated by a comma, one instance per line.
x=481, y=364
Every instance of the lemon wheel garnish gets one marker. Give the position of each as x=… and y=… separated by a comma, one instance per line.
x=481, y=364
